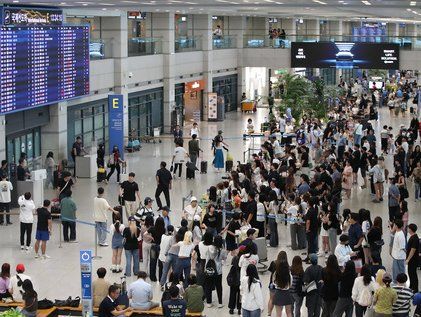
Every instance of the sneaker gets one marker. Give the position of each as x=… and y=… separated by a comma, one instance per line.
x=45, y=256
x=321, y=253
x=103, y=244
x=9, y=223
x=209, y=305
x=22, y=248
x=231, y=311
x=239, y=312
x=73, y=241
x=220, y=305
x=37, y=256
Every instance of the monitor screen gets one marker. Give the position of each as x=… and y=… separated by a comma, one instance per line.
x=375, y=84
x=345, y=55
x=40, y=65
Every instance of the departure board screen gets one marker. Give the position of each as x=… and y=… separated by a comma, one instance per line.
x=40, y=65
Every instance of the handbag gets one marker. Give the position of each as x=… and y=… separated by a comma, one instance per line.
x=45, y=304
x=172, y=168
x=369, y=312
x=312, y=286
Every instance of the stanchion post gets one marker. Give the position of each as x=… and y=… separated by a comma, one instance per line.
x=60, y=231
x=96, y=256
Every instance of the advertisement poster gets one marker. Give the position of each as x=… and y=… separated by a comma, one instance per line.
x=345, y=55
x=212, y=106
x=116, y=123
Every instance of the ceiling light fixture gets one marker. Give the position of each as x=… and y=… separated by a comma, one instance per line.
x=413, y=3
x=367, y=3
x=320, y=2
x=15, y=1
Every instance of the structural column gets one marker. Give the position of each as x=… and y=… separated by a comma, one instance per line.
x=313, y=28
x=2, y=137
x=290, y=28
x=163, y=26
x=115, y=30
x=54, y=134
x=203, y=28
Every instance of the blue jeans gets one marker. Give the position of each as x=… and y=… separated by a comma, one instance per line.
x=170, y=262
x=129, y=255
x=398, y=266
x=101, y=231
x=251, y=313
x=298, y=302
x=183, y=265
x=357, y=139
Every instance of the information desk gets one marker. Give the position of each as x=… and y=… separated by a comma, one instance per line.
x=86, y=166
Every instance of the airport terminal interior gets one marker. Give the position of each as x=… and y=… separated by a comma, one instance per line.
x=127, y=74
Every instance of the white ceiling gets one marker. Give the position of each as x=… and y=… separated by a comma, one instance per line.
x=331, y=9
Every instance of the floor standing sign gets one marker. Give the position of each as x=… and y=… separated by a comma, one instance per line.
x=86, y=282
x=116, y=123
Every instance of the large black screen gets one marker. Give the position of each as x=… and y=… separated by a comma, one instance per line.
x=41, y=65
x=345, y=55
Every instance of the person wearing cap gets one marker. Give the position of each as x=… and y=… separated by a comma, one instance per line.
x=249, y=241
x=144, y=211
x=164, y=184
x=165, y=211
x=17, y=280
x=384, y=298
x=191, y=210
x=129, y=191
x=101, y=207
x=312, y=281
x=343, y=251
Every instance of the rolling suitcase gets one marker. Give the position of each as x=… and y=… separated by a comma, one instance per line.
x=190, y=170
x=203, y=167
x=228, y=166
x=101, y=175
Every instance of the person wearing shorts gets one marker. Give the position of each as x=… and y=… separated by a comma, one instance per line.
x=43, y=232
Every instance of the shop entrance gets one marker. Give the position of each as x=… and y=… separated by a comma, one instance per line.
x=28, y=142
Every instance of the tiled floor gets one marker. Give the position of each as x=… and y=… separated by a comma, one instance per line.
x=59, y=276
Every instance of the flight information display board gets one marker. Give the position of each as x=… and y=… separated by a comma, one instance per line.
x=345, y=55
x=40, y=65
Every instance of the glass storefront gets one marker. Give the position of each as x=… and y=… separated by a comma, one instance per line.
x=226, y=87
x=146, y=111
x=29, y=142
x=90, y=122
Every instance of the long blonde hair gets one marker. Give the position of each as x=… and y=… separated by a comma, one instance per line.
x=133, y=228
x=379, y=277
x=187, y=238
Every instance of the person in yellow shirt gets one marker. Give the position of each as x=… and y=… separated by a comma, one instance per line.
x=384, y=298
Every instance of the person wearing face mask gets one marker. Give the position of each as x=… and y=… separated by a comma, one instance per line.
x=343, y=251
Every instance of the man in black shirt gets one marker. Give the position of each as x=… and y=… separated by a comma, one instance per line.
x=363, y=166
x=412, y=256
x=251, y=210
x=129, y=190
x=311, y=219
x=76, y=151
x=174, y=307
x=109, y=306
x=164, y=183
x=64, y=185
x=44, y=227
x=22, y=170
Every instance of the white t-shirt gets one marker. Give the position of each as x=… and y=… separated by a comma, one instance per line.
x=191, y=212
x=101, y=207
x=261, y=213
x=179, y=154
x=194, y=131
x=27, y=208
x=17, y=296
x=5, y=188
x=121, y=229
x=398, y=248
x=185, y=249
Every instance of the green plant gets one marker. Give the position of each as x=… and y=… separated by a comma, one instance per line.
x=13, y=312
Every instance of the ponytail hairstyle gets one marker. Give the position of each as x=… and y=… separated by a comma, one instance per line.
x=117, y=218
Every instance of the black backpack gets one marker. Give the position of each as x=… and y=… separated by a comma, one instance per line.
x=166, y=294
x=210, y=268
x=233, y=277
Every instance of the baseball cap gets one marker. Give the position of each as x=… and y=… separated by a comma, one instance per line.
x=276, y=161
x=193, y=199
x=220, y=132
x=148, y=200
x=344, y=238
x=196, y=218
x=387, y=277
x=166, y=208
x=313, y=258
x=131, y=218
x=20, y=268
x=251, y=231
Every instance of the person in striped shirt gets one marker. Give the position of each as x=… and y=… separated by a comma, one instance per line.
x=402, y=305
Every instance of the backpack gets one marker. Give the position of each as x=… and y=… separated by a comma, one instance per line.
x=166, y=294
x=233, y=277
x=210, y=268
x=366, y=298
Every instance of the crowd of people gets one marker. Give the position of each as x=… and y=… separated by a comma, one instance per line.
x=303, y=175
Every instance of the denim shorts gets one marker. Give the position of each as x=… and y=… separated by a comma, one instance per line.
x=42, y=235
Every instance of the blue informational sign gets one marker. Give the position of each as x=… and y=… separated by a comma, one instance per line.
x=86, y=281
x=116, y=123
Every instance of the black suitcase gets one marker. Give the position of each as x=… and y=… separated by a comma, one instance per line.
x=120, y=211
x=100, y=177
x=228, y=166
x=203, y=167
x=190, y=173
x=56, y=177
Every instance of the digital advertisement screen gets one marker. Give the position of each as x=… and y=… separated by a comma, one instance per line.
x=345, y=55
x=40, y=65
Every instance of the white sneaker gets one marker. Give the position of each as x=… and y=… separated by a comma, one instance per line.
x=103, y=244
x=220, y=305
x=45, y=256
x=321, y=253
x=26, y=248
x=209, y=305
x=37, y=256
x=22, y=248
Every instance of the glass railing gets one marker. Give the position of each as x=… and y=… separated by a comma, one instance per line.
x=224, y=42
x=96, y=49
x=406, y=43
x=188, y=44
x=139, y=46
